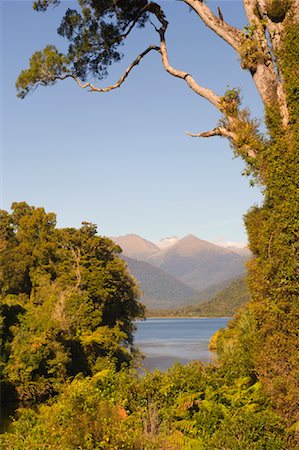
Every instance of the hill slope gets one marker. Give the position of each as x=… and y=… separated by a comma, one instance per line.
x=223, y=304
x=160, y=290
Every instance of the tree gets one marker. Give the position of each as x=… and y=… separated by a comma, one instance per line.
x=268, y=47
x=68, y=303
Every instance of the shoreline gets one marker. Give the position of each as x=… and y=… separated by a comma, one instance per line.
x=187, y=317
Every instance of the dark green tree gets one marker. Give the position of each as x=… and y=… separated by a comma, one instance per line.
x=68, y=303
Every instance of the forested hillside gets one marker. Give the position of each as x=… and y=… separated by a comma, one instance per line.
x=158, y=288
x=223, y=304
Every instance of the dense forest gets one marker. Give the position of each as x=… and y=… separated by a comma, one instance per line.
x=69, y=304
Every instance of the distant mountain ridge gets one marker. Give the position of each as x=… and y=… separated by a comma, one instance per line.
x=179, y=270
x=199, y=263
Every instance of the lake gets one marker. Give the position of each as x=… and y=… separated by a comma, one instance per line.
x=165, y=341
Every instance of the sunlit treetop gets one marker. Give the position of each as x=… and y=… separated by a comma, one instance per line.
x=95, y=32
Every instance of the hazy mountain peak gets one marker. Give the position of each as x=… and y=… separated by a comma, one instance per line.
x=237, y=247
x=190, y=244
x=167, y=242
x=229, y=244
x=190, y=238
x=135, y=246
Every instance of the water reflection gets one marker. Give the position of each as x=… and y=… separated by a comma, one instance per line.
x=165, y=341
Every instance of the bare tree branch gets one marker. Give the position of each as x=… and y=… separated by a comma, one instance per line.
x=265, y=74
x=203, y=92
x=230, y=34
x=218, y=131
x=200, y=90
x=93, y=88
x=274, y=29
x=197, y=88
x=224, y=132
x=208, y=94
x=275, y=32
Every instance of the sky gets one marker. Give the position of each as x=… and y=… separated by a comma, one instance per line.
x=123, y=160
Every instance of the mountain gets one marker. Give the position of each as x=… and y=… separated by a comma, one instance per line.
x=243, y=251
x=237, y=247
x=198, y=263
x=192, y=263
x=160, y=290
x=167, y=242
x=136, y=247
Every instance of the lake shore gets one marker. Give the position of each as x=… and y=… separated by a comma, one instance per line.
x=187, y=317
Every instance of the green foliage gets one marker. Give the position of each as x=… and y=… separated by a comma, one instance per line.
x=248, y=141
x=262, y=340
x=81, y=418
x=249, y=30
x=288, y=59
x=189, y=407
x=225, y=303
x=251, y=53
x=95, y=35
x=42, y=5
x=46, y=67
x=231, y=101
x=68, y=302
x=271, y=341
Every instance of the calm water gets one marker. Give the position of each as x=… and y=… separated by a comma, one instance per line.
x=165, y=341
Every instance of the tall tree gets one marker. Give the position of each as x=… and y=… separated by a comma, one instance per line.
x=268, y=47
x=68, y=304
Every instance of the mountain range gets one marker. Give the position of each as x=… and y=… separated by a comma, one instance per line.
x=177, y=272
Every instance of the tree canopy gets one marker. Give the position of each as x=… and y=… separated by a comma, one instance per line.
x=68, y=302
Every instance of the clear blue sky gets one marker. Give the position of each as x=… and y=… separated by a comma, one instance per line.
x=122, y=160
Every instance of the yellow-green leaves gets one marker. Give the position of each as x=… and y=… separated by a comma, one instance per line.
x=45, y=68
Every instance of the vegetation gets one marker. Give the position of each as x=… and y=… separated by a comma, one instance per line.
x=224, y=304
x=68, y=303
x=189, y=407
x=68, y=308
